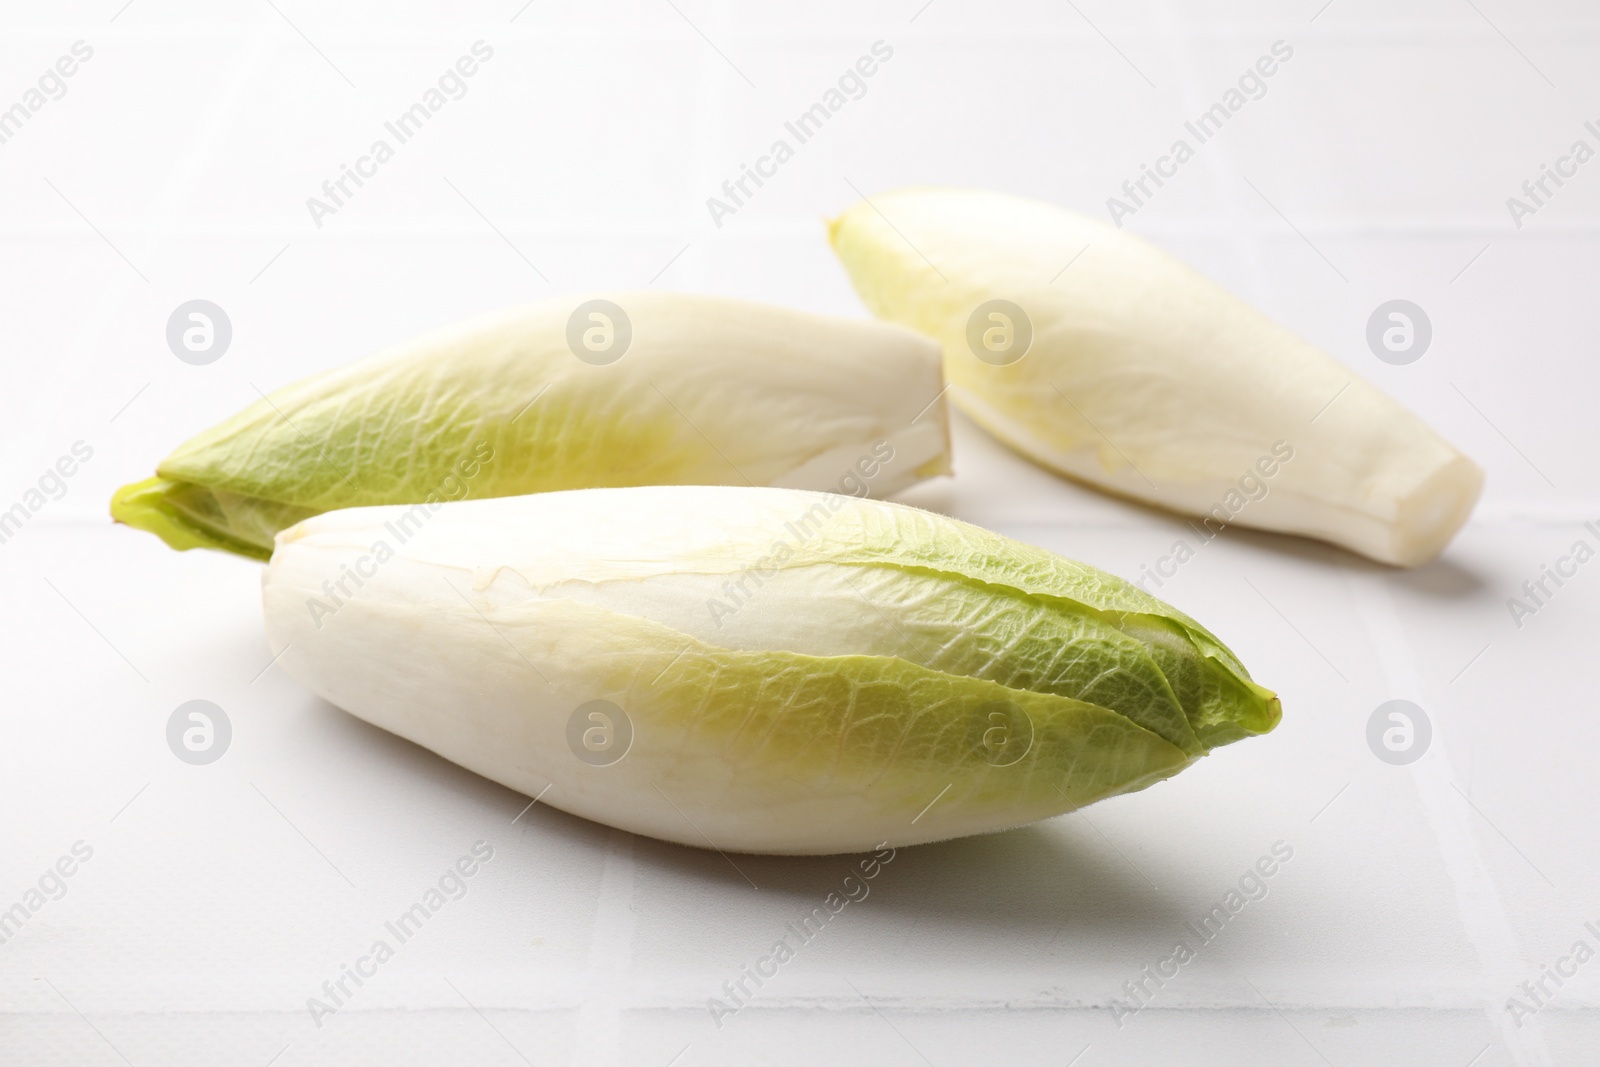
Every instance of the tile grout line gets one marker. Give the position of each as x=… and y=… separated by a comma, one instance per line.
x=611, y=934
x=709, y=145
x=1478, y=903
x=158, y=232
x=1218, y=161
x=598, y=1038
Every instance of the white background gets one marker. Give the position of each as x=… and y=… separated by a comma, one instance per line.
x=219, y=898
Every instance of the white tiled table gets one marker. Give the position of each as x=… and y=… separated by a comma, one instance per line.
x=218, y=898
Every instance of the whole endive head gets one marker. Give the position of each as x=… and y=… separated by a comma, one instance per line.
x=599, y=390
x=774, y=670
x=1098, y=354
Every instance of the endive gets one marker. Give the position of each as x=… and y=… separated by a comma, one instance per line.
x=1102, y=357
x=621, y=389
x=769, y=670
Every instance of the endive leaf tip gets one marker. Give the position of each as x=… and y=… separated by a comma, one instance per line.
x=1247, y=718
x=137, y=505
x=153, y=506
x=1271, y=714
